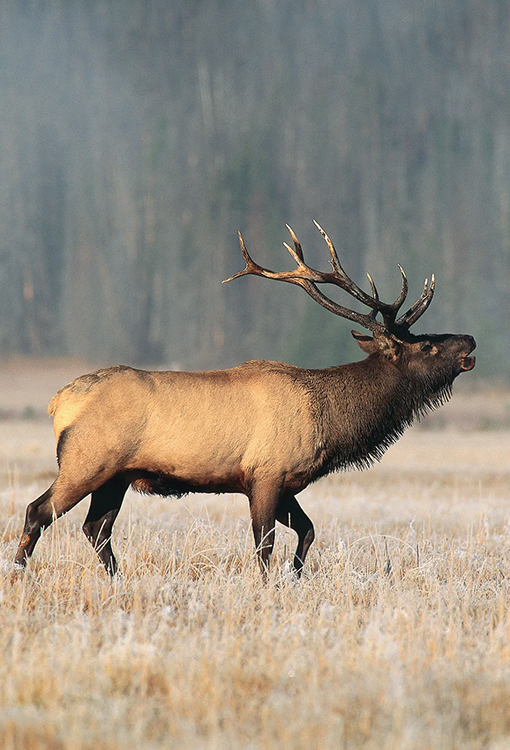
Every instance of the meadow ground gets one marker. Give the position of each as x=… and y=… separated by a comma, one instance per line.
x=187, y=649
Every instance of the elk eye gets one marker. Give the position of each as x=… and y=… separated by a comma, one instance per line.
x=426, y=347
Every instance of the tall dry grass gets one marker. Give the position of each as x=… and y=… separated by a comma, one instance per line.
x=188, y=649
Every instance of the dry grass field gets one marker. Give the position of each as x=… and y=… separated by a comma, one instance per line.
x=188, y=649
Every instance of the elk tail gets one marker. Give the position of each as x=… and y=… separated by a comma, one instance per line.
x=52, y=406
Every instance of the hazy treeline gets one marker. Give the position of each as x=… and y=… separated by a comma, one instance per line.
x=138, y=136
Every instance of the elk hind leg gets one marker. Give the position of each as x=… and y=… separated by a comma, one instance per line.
x=104, y=508
x=290, y=513
x=57, y=500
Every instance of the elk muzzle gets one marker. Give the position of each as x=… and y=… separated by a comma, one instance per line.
x=467, y=363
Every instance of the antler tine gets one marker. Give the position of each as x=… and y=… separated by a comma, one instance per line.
x=389, y=311
x=375, y=295
x=421, y=304
x=335, y=262
x=297, y=244
x=403, y=294
x=251, y=266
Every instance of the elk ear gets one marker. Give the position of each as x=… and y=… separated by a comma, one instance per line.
x=367, y=343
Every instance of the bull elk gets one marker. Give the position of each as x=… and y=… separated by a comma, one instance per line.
x=265, y=429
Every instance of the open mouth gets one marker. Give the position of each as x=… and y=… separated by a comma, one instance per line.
x=467, y=363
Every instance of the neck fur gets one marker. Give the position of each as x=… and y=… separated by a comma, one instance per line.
x=364, y=407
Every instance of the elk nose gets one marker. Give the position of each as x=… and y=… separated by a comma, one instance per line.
x=470, y=342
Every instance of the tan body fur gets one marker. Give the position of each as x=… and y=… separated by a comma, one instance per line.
x=173, y=423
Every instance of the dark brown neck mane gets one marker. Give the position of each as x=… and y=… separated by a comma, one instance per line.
x=364, y=407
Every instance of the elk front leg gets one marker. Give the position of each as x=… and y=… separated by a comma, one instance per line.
x=104, y=508
x=290, y=513
x=263, y=503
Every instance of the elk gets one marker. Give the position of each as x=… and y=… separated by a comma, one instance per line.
x=264, y=429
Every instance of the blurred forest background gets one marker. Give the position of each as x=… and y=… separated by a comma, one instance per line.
x=138, y=136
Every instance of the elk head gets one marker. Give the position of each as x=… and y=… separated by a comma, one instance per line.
x=430, y=362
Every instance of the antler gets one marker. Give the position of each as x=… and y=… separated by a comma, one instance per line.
x=307, y=277
x=419, y=307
